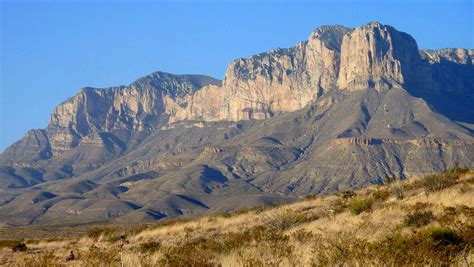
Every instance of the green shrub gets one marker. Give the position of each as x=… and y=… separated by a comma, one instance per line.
x=418, y=218
x=360, y=204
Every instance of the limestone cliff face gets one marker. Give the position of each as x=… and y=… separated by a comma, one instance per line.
x=136, y=107
x=447, y=71
x=282, y=80
x=376, y=55
x=334, y=58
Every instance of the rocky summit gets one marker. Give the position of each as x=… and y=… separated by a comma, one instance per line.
x=344, y=109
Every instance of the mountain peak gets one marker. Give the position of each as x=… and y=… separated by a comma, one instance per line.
x=376, y=55
x=330, y=35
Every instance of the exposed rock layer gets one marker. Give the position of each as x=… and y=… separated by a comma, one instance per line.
x=338, y=111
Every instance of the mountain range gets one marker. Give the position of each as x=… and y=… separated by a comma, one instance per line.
x=346, y=108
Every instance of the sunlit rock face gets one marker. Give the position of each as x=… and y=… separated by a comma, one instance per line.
x=341, y=110
x=378, y=56
x=282, y=80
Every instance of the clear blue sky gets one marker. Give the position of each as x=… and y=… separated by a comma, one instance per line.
x=49, y=49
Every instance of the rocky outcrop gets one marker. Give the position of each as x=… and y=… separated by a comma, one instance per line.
x=136, y=107
x=353, y=106
x=282, y=80
x=377, y=55
x=261, y=86
x=447, y=71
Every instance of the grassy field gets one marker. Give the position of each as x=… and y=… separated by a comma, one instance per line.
x=424, y=221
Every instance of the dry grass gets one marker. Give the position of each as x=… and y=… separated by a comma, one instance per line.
x=412, y=225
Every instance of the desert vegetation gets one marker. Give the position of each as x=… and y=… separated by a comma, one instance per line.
x=419, y=221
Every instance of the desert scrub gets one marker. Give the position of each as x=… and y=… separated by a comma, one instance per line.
x=360, y=204
x=46, y=259
x=97, y=232
x=428, y=247
x=149, y=247
x=337, y=206
x=268, y=248
x=100, y=256
x=283, y=220
x=341, y=250
x=302, y=236
x=8, y=243
x=418, y=218
x=346, y=194
x=381, y=194
x=438, y=182
x=19, y=247
x=398, y=190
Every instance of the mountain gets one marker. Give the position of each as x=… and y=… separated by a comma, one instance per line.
x=344, y=109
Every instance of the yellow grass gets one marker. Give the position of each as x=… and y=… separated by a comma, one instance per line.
x=249, y=238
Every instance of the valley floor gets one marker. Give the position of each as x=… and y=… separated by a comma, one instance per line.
x=425, y=221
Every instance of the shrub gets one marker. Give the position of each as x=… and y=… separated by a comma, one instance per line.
x=418, y=218
x=359, y=205
x=8, y=243
x=311, y=197
x=389, y=179
x=346, y=194
x=284, y=220
x=302, y=235
x=398, y=190
x=97, y=232
x=338, y=206
x=437, y=182
x=46, y=259
x=19, y=247
x=149, y=247
x=98, y=256
x=273, y=249
x=380, y=194
x=444, y=237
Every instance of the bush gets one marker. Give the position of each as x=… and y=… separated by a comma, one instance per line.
x=398, y=190
x=337, y=206
x=418, y=218
x=346, y=194
x=284, y=220
x=444, y=237
x=302, y=235
x=437, y=182
x=19, y=247
x=380, y=194
x=99, y=256
x=359, y=205
x=97, y=232
x=8, y=243
x=149, y=247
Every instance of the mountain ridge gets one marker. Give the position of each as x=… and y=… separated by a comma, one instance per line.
x=339, y=111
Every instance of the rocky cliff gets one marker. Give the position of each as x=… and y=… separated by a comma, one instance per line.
x=335, y=112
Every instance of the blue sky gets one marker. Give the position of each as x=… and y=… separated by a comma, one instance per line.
x=50, y=49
